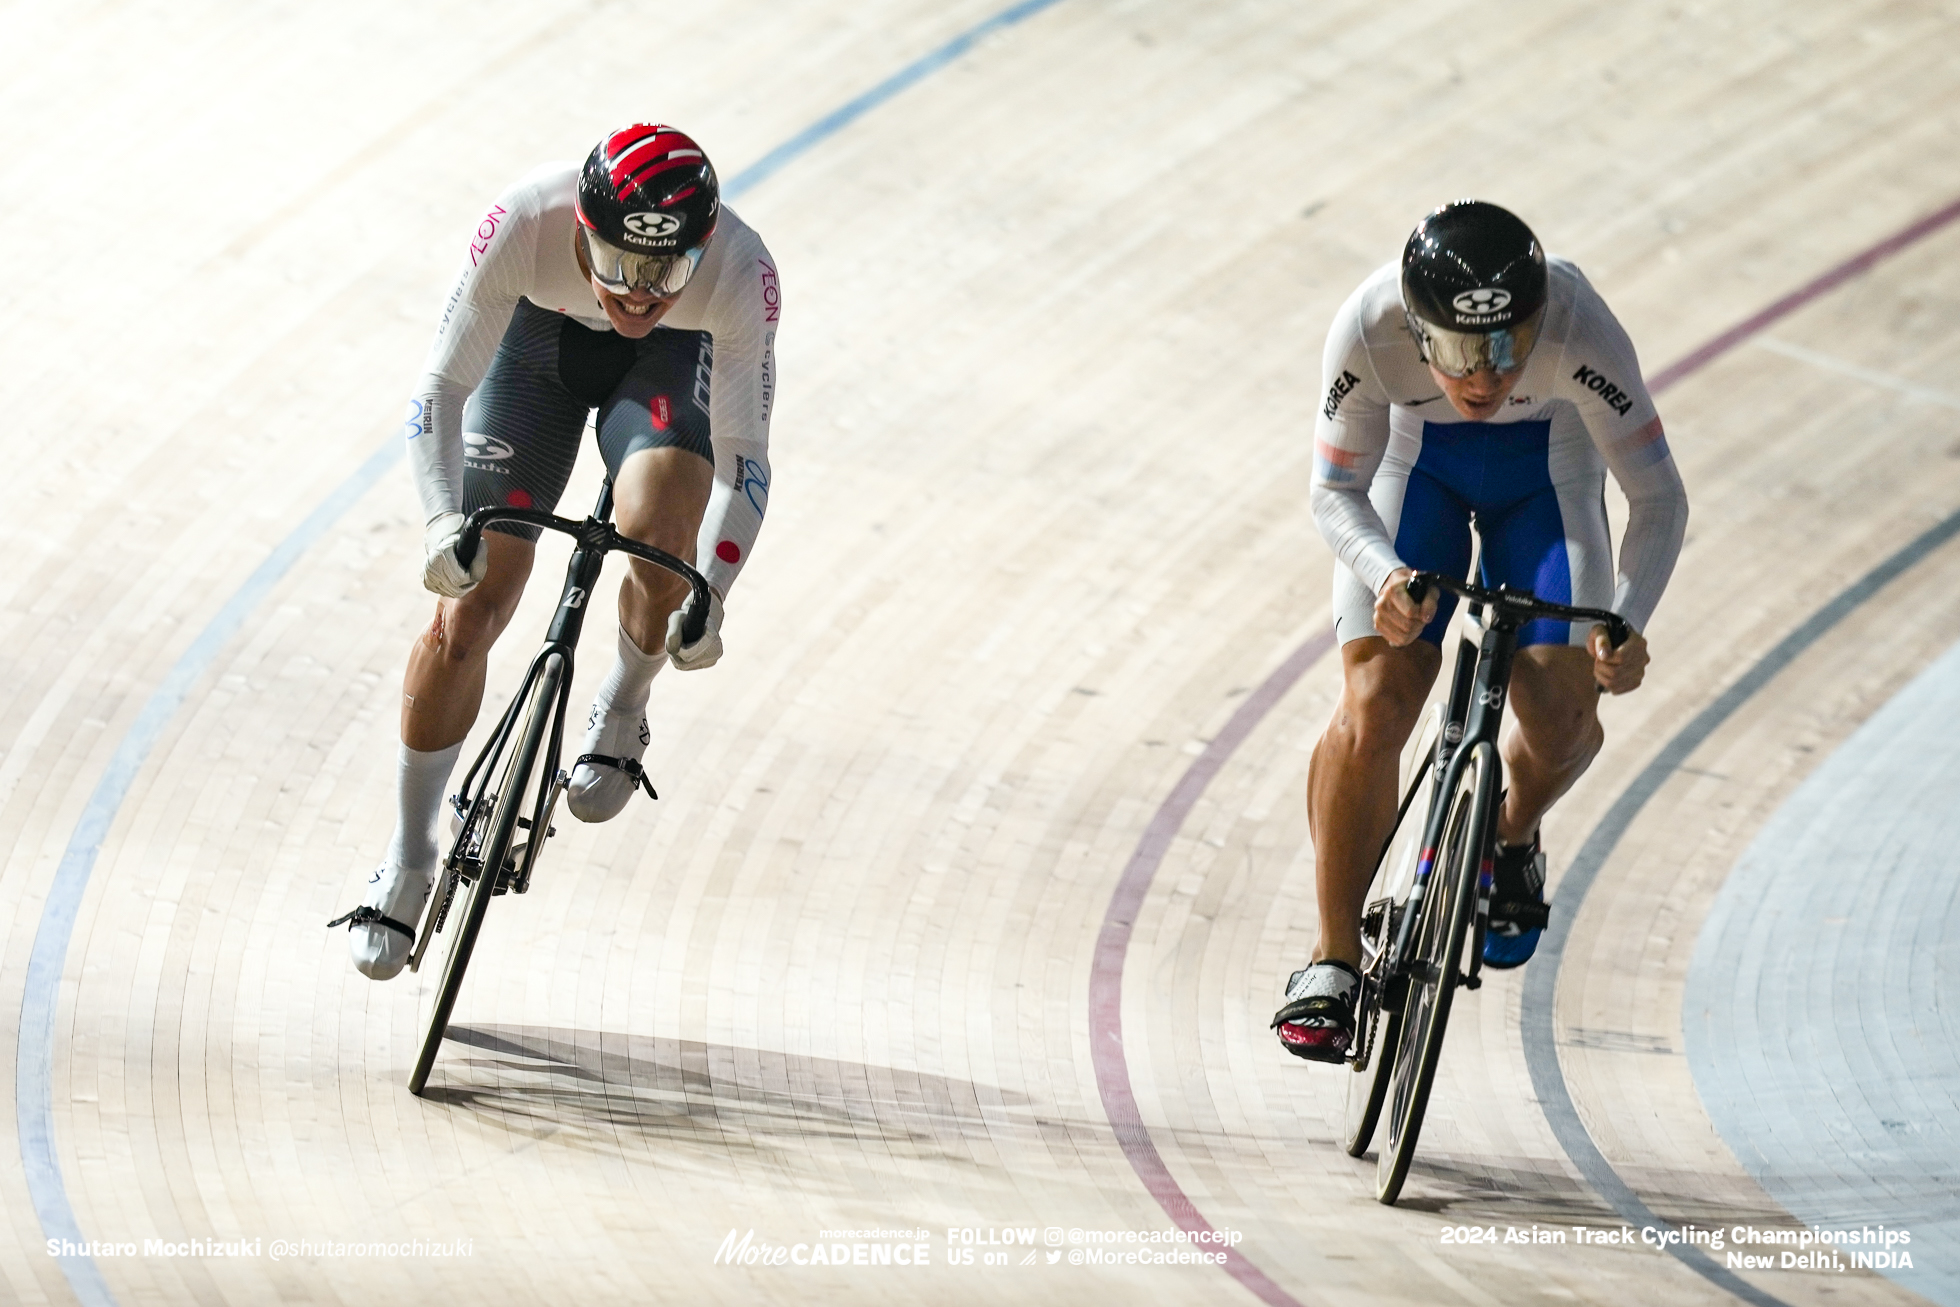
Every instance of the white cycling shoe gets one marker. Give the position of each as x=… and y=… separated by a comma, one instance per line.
x=381, y=932
x=608, y=769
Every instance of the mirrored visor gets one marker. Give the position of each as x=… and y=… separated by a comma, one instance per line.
x=1460, y=353
x=621, y=272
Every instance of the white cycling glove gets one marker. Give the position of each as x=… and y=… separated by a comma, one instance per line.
x=441, y=572
x=706, y=651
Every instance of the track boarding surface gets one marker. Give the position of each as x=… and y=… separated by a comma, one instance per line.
x=1005, y=761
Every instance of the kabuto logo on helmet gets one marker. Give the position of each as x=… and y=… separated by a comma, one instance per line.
x=1472, y=266
x=1483, y=300
x=655, y=225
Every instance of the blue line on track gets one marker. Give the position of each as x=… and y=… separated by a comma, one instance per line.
x=919, y=69
x=34, y=1067
x=1541, y=981
x=34, y=1057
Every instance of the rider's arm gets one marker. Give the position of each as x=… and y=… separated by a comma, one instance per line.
x=1600, y=374
x=1350, y=437
x=495, y=271
x=747, y=305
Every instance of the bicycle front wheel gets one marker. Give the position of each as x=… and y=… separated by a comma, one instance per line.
x=502, y=832
x=1378, y=1029
x=1447, y=910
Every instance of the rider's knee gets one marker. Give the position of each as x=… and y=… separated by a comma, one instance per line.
x=650, y=527
x=1376, y=718
x=1383, y=696
x=1379, y=722
x=1556, y=704
x=661, y=496
x=466, y=628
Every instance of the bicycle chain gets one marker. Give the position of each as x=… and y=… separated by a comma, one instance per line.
x=1374, y=1021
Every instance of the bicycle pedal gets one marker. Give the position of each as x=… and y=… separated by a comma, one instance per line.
x=1395, y=994
x=507, y=876
x=468, y=872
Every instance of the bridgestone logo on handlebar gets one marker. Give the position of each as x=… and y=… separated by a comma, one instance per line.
x=1520, y=604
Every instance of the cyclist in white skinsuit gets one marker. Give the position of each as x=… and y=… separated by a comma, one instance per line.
x=1578, y=410
x=620, y=285
x=1474, y=382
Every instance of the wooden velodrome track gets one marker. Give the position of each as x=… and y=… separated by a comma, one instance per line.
x=981, y=857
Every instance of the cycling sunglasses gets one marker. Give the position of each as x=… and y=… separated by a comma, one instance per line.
x=1460, y=353
x=622, y=272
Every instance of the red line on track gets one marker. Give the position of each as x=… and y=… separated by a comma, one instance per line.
x=1796, y=299
x=1119, y=920
x=1106, y=973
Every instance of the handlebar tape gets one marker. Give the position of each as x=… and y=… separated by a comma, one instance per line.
x=466, y=546
x=695, y=624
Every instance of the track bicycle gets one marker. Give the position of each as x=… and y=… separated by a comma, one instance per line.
x=496, y=846
x=1431, y=891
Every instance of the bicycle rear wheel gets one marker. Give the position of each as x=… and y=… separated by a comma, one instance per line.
x=510, y=804
x=1436, y=953
x=1378, y=1031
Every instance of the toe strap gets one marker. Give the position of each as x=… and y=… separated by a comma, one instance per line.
x=1332, y=1010
x=367, y=916
x=1525, y=914
x=630, y=766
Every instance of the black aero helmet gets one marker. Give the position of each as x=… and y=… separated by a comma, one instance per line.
x=647, y=204
x=1473, y=282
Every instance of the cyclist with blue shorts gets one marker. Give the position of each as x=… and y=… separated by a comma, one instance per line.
x=1476, y=383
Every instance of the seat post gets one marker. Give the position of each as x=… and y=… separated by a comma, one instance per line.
x=602, y=511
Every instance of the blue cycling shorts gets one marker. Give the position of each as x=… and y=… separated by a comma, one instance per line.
x=1542, y=528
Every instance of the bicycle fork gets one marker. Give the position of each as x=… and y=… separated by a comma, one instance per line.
x=472, y=800
x=1475, y=713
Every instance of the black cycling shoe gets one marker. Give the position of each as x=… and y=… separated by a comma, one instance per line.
x=1518, y=911
x=1317, y=1022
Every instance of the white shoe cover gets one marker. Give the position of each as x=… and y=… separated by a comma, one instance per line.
x=598, y=792
x=380, y=952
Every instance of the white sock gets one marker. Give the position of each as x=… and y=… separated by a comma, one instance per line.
x=420, y=779
x=626, y=686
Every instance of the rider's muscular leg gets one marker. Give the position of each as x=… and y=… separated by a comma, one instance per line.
x=443, y=686
x=660, y=496
x=1351, y=782
x=1555, y=706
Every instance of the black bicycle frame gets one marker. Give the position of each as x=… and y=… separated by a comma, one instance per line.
x=1478, y=688
x=596, y=537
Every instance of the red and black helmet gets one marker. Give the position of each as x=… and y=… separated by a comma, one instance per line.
x=648, y=189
